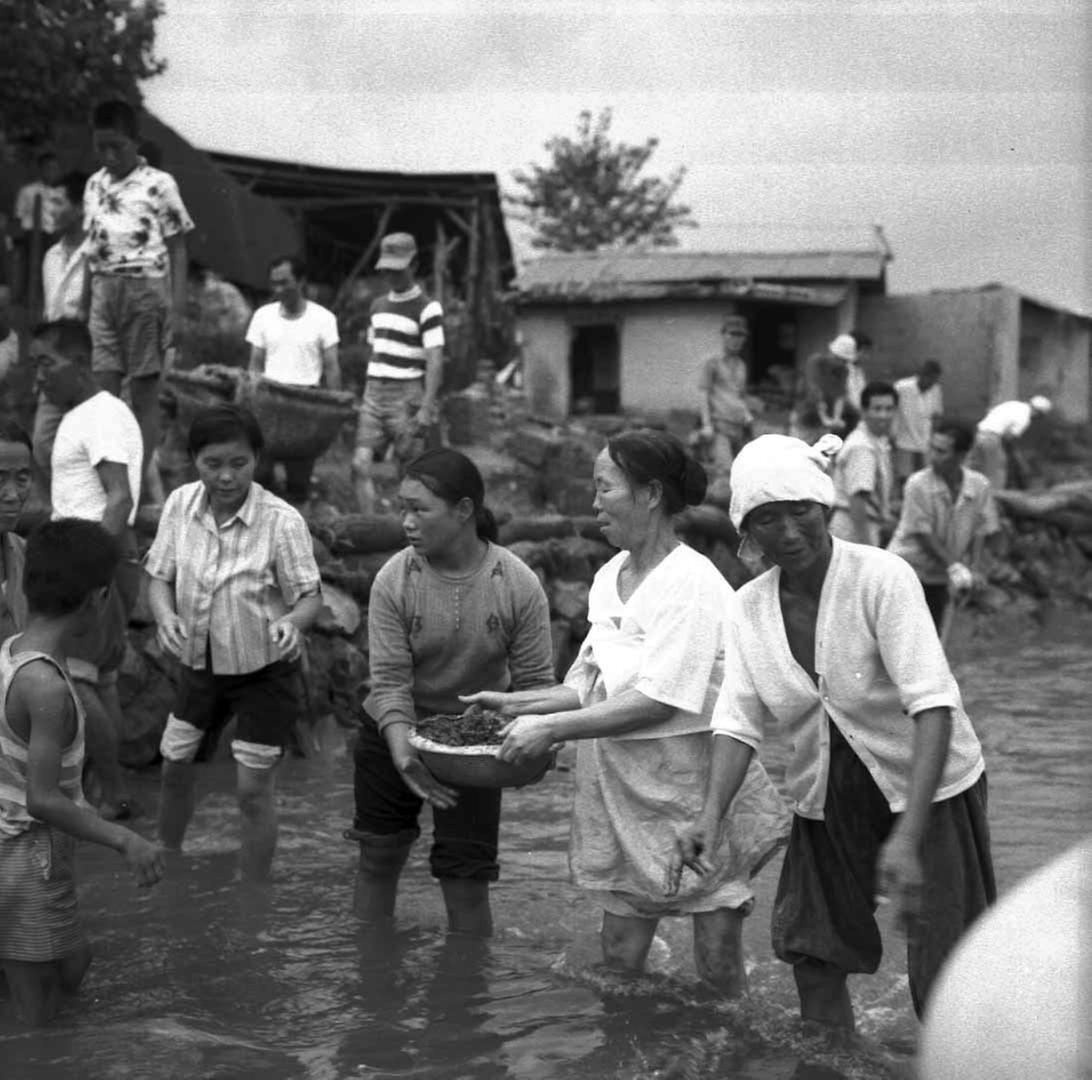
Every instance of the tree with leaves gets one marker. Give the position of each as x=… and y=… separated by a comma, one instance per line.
x=57, y=57
x=592, y=195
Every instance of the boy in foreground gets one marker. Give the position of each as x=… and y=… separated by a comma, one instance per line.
x=70, y=568
x=234, y=587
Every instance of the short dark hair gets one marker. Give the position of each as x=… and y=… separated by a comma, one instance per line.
x=11, y=431
x=66, y=561
x=451, y=476
x=68, y=336
x=294, y=262
x=116, y=115
x=152, y=152
x=74, y=183
x=931, y=367
x=961, y=432
x=878, y=388
x=645, y=455
x=222, y=423
x=863, y=340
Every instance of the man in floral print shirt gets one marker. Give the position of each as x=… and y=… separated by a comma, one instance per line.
x=136, y=224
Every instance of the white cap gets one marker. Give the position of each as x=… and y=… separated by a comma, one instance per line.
x=1041, y=404
x=844, y=347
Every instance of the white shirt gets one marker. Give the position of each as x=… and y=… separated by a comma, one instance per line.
x=293, y=347
x=1010, y=419
x=102, y=428
x=667, y=640
x=863, y=465
x=879, y=663
x=9, y=353
x=63, y=274
x=914, y=418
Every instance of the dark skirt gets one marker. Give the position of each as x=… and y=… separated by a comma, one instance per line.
x=825, y=907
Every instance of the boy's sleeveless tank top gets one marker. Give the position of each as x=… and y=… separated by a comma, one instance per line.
x=14, y=817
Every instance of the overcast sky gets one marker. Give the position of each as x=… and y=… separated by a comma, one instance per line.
x=959, y=127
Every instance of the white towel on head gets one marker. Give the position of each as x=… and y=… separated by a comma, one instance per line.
x=779, y=468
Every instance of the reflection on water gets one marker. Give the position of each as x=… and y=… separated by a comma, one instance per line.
x=203, y=977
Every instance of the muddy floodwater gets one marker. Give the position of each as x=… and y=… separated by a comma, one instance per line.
x=202, y=977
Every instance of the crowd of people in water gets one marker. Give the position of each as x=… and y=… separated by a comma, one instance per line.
x=835, y=644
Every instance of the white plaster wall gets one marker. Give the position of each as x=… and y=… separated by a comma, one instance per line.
x=546, y=336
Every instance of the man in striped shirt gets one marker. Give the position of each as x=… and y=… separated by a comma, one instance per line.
x=406, y=334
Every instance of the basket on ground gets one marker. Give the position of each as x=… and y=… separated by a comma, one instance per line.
x=298, y=422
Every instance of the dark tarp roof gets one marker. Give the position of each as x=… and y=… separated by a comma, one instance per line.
x=342, y=209
x=236, y=232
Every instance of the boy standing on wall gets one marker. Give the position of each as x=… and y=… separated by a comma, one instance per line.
x=136, y=224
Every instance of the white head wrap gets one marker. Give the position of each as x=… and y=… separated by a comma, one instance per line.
x=1041, y=404
x=779, y=468
x=844, y=347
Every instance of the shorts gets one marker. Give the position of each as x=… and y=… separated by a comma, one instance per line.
x=388, y=419
x=101, y=650
x=39, y=918
x=464, y=838
x=265, y=704
x=128, y=322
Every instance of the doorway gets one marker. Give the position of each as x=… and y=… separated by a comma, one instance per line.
x=594, y=369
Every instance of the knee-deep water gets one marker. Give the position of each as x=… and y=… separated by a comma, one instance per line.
x=206, y=977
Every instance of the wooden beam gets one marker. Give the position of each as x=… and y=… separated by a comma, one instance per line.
x=439, y=258
x=460, y=220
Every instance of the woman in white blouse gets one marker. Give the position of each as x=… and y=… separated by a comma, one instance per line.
x=837, y=648
x=639, y=697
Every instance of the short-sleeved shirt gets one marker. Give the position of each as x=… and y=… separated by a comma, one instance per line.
x=102, y=428
x=401, y=327
x=879, y=663
x=128, y=221
x=724, y=382
x=293, y=346
x=64, y=273
x=914, y=418
x=928, y=508
x=432, y=637
x=1009, y=420
x=53, y=201
x=863, y=466
x=231, y=581
x=666, y=641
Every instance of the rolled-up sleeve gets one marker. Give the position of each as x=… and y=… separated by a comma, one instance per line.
x=908, y=644
x=681, y=646
x=161, y=562
x=297, y=571
x=739, y=712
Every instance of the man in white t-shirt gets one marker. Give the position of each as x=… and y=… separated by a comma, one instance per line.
x=96, y=471
x=293, y=341
x=921, y=403
x=997, y=433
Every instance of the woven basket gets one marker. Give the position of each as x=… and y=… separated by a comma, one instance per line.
x=298, y=422
x=198, y=389
x=477, y=766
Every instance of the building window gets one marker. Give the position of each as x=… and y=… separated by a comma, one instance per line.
x=593, y=369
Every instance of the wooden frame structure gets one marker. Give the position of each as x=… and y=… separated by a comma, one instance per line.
x=465, y=257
